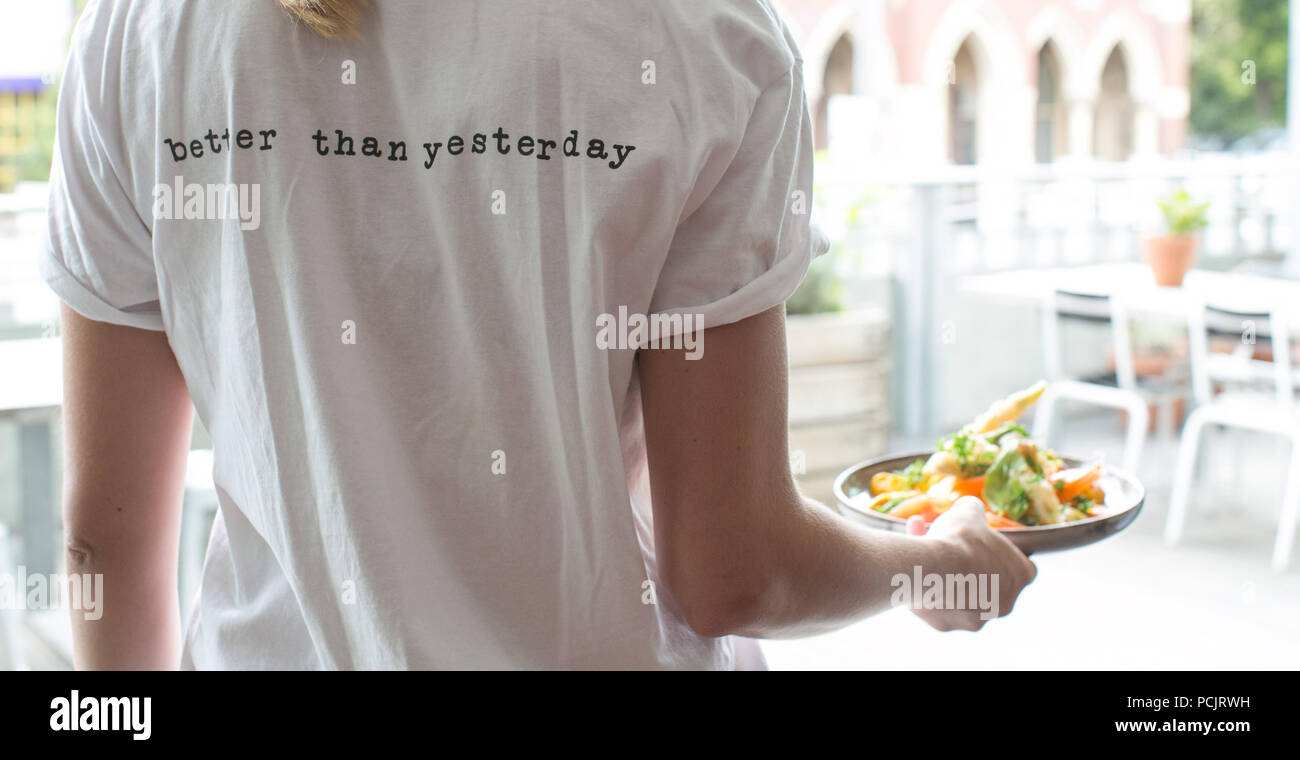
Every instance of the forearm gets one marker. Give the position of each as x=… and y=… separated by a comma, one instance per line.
x=134, y=620
x=127, y=534
x=827, y=572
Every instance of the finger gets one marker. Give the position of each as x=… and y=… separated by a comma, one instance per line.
x=969, y=507
x=916, y=525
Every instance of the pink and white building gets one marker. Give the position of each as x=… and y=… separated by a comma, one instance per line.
x=995, y=82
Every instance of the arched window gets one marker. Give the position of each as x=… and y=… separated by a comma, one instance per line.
x=837, y=79
x=963, y=106
x=1050, y=117
x=1114, y=122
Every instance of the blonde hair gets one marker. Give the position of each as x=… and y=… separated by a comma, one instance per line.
x=332, y=19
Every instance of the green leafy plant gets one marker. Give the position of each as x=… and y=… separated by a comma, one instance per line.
x=833, y=275
x=821, y=291
x=1183, y=216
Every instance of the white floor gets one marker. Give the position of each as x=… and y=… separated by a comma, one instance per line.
x=1129, y=602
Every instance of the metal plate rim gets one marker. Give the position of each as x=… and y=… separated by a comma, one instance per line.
x=1038, y=538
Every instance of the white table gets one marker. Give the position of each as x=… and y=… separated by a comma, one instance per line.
x=1134, y=284
x=31, y=394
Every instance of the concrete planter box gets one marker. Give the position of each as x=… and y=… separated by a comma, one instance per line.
x=839, y=400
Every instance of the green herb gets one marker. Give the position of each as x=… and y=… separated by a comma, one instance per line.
x=914, y=473
x=891, y=504
x=973, y=453
x=961, y=446
x=996, y=435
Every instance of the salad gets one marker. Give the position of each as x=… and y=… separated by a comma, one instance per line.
x=993, y=458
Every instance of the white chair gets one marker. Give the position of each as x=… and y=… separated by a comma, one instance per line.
x=1124, y=393
x=1268, y=410
x=11, y=640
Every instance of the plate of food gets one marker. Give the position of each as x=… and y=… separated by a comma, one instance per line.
x=1040, y=500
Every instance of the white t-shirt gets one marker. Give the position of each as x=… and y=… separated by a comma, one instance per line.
x=423, y=455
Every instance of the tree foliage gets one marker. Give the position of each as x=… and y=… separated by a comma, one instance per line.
x=1238, y=67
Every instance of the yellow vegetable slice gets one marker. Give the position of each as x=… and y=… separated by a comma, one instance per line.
x=1009, y=408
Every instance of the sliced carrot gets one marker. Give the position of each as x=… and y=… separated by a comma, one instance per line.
x=937, y=506
x=969, y=486
x=912, y=506
x=1072, y=488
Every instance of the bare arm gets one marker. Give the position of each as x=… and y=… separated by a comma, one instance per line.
x=740, y=549
x=127, y=418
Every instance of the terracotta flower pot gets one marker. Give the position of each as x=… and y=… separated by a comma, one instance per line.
x=1170, y=257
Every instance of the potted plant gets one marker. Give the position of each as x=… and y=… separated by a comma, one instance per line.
x=1171, y=255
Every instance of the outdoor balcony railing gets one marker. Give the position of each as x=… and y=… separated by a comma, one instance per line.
x=905, y=242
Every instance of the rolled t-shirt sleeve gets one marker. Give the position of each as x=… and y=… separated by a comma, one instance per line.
x=746, y=247
x=98, y=255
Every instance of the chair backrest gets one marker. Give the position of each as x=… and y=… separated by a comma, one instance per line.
x=1248, y=329
x=1092, y=308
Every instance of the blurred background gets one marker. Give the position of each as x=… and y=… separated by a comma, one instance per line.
x=1099, y=192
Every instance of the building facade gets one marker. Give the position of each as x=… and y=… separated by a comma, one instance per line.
x=1005, y=83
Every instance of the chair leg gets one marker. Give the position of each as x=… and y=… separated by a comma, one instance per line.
x=1212, y=481
x=1290, y=512
x=1165, y=423
x=1184, y=472
x=1139, y=418
x=1237, y=443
